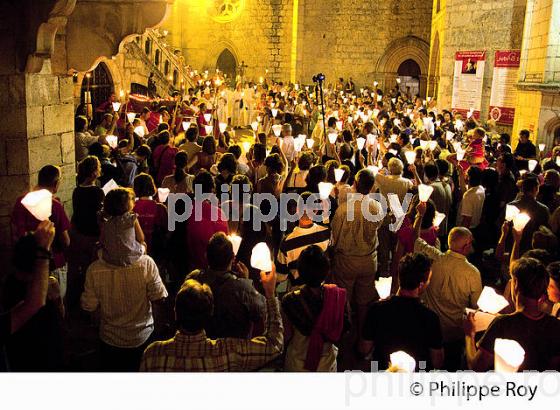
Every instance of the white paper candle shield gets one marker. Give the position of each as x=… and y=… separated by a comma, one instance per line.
x=508, y=356
x=277, y=129
x=116, y=106
x=403, y=362
x=131, y=116
x=209, y=129
x=533, y=164
x=460, y=155
x=339, y=125
x=432, y=145
x=520, y=221
x=163, y=193
x=438, y=219
x=459, y=125
x=299, y=142
x=373, y=169
x=542, y=147
x=39, y=204
x=338, y=174
x=449, y=135
x=558, y=161
x=112, y=140
x=410, y=157
x=424, y=192
x=394, y=152
x=325, y=189
x=423, y=144
x=255, y=126
x=207, y=117
x=109, y=186
x=260, y=257
x=383, y=287
x=274, y=112
x=511, y=212
x=361, y=141
x=246, y=146
x=186, y=125
x=223, y=127
x=375, y=112
x=140, y=131
x=235, y=242
x=370, y=139
x=489, y=301
x=393, y=139
x=397, y=122
x=332, y=137
x=310, y=142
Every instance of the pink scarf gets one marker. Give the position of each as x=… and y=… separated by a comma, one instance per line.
x=328, y=326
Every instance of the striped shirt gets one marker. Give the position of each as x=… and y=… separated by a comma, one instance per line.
x=293, y=244
x=197, y=353
x=123, y=295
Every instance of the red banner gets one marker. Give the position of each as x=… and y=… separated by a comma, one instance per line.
x=504, y=93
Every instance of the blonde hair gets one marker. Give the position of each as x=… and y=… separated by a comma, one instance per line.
x=395, y=166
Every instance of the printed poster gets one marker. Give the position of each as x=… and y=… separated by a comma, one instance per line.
x=468, y=79
x=504, y=93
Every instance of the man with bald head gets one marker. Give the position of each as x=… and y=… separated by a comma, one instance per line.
x=455, y=285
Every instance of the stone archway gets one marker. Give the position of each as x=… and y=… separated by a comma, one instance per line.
x=227, y=63
x=550, y=132
x=100, y=86
x=406, y=48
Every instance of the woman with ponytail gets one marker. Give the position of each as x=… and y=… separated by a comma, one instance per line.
x=180, y=182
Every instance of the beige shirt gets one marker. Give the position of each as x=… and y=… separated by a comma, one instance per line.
x=471, y=205
x=353, y=233
x=393, y=184
x=123, y=295
x=455, y=285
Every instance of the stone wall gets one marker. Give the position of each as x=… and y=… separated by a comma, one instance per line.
x=367, y=40
x=464, y=25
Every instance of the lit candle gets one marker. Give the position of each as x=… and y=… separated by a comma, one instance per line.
x=277, y=129
x=223, y=127
x=333, y=137
x=383, y=286
x=235, y=242
x=325, y=189
x=424, y=192
x=163, y=193
x=186, y=125
x=449, y=135
x=140, y=131
x=520, y=221
x=338, y=174
x=508, y=356
x=209, y=129
x=310, y=142
x=207, y=117
x=246, y=146
x=131, y=116
x=39, y=204
x=260, y=257
x=255, y=126
x=533, y=164
x=112, y=140
x=460, y=154
x=361, y=141
x=511, y=212
x=438, y=219
x=274, y=112
x=402, y=362
x=339, y=125
x=489, y=301
x=373, y=169
x=432, y=145
x=410, y=157
x=116, y=106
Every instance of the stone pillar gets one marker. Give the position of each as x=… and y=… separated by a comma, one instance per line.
x=37, y=129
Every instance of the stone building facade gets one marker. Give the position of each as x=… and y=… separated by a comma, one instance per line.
x=295, y=39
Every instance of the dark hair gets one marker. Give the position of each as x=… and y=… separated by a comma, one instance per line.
x=317, y=174
x=205, y=180
x=404, y=137
x=117, y=201
x=181, y=161
x=443, y=166
x=364, y=181
x=194, y=306
x=219, y=251
x=80, y=123
x=529, y=184
x=144, y=151
x=241, y=180
x=259, y=152
x=228, y=163
x=163, y=137
x=235, y=150
x=542, y=255
x=428, y=218
x=431, y=171
x=414, y=268
x=531, y=277
x=475, y=176
x=48, y=176
x=553, y=270
x=144, y=185
x=191, y=134
x=313, y=266
x=163, y=127
x=274, y=163
x=86, y=167
x=525, y=133
x=331, y=122
x=209, y=145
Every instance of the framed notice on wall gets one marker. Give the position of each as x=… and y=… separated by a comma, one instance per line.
x=502, y=99
x=467, y=83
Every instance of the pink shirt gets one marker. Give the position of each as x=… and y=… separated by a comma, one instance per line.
x=164, y=161
x=199, y=232
x=406, y=236
x=152, y=216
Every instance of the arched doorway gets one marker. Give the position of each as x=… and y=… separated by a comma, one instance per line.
x=100, y=86
x=227, y=64
x=409, y=74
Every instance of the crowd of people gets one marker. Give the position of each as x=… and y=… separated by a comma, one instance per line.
x=192, y=299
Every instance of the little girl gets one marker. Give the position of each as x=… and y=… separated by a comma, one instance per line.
x=122, y=239
x=475, y=153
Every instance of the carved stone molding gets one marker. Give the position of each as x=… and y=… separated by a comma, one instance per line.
x=98, y=28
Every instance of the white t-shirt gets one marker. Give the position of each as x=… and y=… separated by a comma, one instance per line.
x=471, y=205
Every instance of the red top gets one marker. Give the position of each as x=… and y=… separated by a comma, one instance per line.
x=406, y=236
x=164, y=161
x=153, y=121
x=200, y=228
x=23, y=221
x=151, y=215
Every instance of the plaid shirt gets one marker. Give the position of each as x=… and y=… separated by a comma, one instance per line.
x=197, y=353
